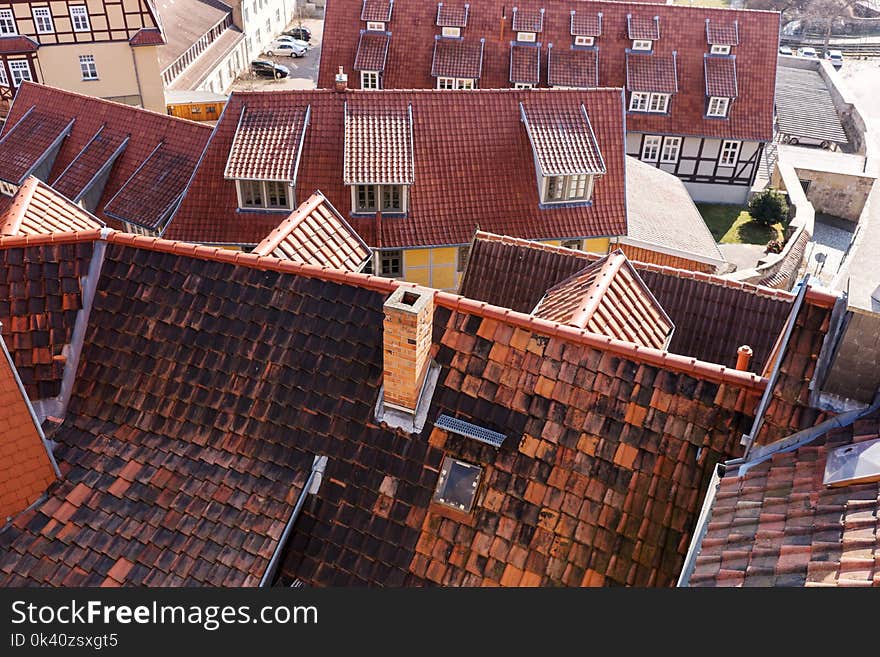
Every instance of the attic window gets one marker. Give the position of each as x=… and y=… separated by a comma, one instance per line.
x=526, y=37
x=853, y=464
x=453, y=32
x=718, y=106
x=458, y=484
x=642, y=44
x=584, y=40
x=718, y=49
x=375, y=26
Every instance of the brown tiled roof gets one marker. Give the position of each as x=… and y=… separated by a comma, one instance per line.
x=377, y=10
x=37, y=209
x=267, y=144
x=378, y=144
x=722, y=32
x=96, y=157
x=452, y=15
x=148, y=36
x=25, y=468
x=651, y=72
x=457, y=58
x=586, y=23
x=27, y=142
x=146, y=130
x=562, y=140
x=410, y=55
x=776, y=524
x=372, y=51
x=154, y=189
x=720, y=76
x=315, y=233
x=643, y=27
x=713, y=316
x=13, y=45
x=444, y=207
x=525, y=64
x=528, y=20
x=608, y=297
x=573, y=67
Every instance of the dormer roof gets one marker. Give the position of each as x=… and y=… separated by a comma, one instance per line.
x=378, y=144
x=562, y=139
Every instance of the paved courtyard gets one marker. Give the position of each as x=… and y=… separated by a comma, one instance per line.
x=303, y=71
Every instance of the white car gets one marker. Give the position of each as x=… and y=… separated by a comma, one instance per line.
x=290, y=39
x=809, y=53
x=835, y=57
x=285, y=48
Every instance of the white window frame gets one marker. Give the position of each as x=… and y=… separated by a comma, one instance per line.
x=448, y=83
x=523, y=85
x=79, y=18
x=87, y=67
x=659, y=103
x=4, y=81
x=18, y=66
x=379, y=196
x=728, y=154
x=7, y=23
x=638, y=101
x=526, y=37
x=451, y=32
x=43, y=23
x=719, y=49
x=370, y=80
x=389, y=256
x=375, y=26
x=575, y=245
x=584, y=40
x=265, y=190
x=576, y=188
x=718, y=106
x=643, y=45
x=671, y=150
x=651, y=148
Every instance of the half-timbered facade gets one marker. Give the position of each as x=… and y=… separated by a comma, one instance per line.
x=105, y=49
x=698, y=81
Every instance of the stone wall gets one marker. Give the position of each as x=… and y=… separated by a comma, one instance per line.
x=855, y=374
x=837, y=194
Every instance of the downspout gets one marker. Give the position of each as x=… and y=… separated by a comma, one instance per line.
x=311, y=486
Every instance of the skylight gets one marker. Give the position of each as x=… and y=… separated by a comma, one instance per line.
x=853, y=464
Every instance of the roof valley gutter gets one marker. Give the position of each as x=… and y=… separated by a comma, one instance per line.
x=690, y=560
x=311, y=486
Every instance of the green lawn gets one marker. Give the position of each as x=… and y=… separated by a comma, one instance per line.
x=732, y=224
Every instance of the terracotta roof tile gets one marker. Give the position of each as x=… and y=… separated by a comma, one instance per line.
x=377, y=10
x=410, y=55
x=29, y=141
x=316, y=233
x=13, y=45
x=378, y=144
x=372, y=51
x=95, y=158
x=267, y=144
x=651, y=72
x=720, y=76
x=36, y=209
x=525, y=64
x=527, y=20
x=562, y=139
x=573, y=67
x=452, y=14
x=585, y=23
x=457, y=58
x=722, y=32
x=148, y=36
x=643, y=27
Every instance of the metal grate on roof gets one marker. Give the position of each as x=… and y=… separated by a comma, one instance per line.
x=468, y=430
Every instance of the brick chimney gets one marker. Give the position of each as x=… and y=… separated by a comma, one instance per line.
x=743, y=357
x=409, y=321
x=340, y=82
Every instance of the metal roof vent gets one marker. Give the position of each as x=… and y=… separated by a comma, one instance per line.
x=853, y=464
x=468, y=430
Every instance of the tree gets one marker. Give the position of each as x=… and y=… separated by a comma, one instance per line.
x=823, y=13
x=768, y=207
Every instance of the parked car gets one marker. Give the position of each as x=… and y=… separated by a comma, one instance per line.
x=287, y=48
x=835, y=57
x=266, y=69
x=808, y=53
x=301, y=32
x=290, y=39
x=785, y=50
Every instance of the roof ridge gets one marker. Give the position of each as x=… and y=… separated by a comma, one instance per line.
x=282, y=230
x=20, y=202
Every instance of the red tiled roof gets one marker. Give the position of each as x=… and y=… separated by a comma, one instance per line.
x=452, y=15
x=643, y=27
x=444, y=207
x=148, y=36
x=315, y=233
x=562, y=140
x=28, y=141
x=378, y=144
x=152, y=191
x=25, y=468
x=528, y=20
x=722, y=33
x=37, y=209
x=608, y=297
x=372, y=51
x=586, y=23
x=98, y=154
x=267, y=144
x=89, y=114
x=457, y=58
x=377, y=10
x=525, y=64
x=776, y=524
x=13, y=45
x=720, y=76
x=573, y=67
x=410, y=55
x=651, y=72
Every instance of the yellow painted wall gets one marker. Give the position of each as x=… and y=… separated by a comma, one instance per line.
x=432, y=267
x=596, y=245
x=150, y=77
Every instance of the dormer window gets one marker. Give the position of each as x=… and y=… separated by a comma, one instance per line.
x=651, y=80
x=369, y=199
x=527, y=24
x=584, y=40
x=526, y=37
x=456, y=83
x=457, y=63
x=721, y=36
x=719, y=49
x=451, y=32
x=658, y=103
x=721, y=84
x=585, y=27
x=643, y=31
x=376, y=14
x=264, y=194
x=718, y=106
x=375, y=26
x=643, y=101
x=451, y=18
x=560, y=189
x=642, y=44
x=370, y=58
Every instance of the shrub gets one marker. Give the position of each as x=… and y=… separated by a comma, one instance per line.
x=775, y=246
x=769, y=207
